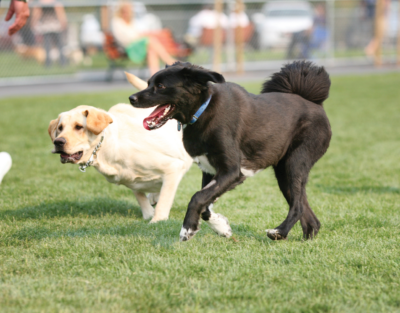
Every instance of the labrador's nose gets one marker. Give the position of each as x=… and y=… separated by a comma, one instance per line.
x=60, y=142
x=133, y=99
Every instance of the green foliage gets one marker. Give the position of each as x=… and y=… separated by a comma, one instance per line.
x=71, y=242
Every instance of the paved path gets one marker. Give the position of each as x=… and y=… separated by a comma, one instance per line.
x=70, y=86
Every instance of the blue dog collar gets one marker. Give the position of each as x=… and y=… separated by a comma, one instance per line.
x=196, y=115
x=200, y=111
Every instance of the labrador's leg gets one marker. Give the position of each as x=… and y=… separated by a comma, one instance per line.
x=147, y=209
x=167, y=195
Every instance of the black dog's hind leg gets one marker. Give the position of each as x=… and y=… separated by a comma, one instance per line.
x=217, y=222
x=292, y=174
x=201, y=200
x=309, y=221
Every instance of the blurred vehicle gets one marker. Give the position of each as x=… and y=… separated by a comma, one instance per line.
x=278, y=20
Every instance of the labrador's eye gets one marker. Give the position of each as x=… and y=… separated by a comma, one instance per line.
x=160, y=86
x=60, y=128
x=78, y=127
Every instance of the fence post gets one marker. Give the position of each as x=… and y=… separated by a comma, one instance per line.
x=105, y=20
x=330, y=6
x=379, y=28
x=218, y=6
x=230, y=41
x=398, y=33
x=239, y=39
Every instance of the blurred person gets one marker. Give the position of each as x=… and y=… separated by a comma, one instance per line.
x=239, y=17
x=138, y=44
x=21, y=10
x=319, y=33
x=91, y=37
x=26, y=44
x=372, y=46
x=306, y=42
x=206, y=18
x=50, y=20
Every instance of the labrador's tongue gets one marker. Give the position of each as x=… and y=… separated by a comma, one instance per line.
x=153, y=116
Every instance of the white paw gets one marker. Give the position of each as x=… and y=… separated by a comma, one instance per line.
x=219, y=224
x=148, y=214
x=274, y=234
x=156, y=219
x=187, y=234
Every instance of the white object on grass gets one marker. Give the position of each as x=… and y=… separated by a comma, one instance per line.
x=5, y=164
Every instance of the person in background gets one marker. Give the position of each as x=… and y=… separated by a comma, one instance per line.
x=91, y=38
x=372, y=46
x=138, y=45
x=206, y=18
x=50, y=20
x=21, y=10
x=239, y=17
x=308, y=43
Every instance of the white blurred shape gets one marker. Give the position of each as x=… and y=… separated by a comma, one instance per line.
x=5, y=164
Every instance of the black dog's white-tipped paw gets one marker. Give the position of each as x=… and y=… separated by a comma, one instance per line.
x=187, y=234
x=274, y=234
x=220, y=225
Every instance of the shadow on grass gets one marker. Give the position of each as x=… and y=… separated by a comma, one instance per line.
x=354, y=190
x=163, y=234
x=93, y=208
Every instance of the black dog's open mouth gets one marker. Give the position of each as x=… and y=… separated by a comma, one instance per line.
x=70, y=158
x=159, y=116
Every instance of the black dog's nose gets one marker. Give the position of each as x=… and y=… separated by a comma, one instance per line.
x=60, y=142
x=133, y=99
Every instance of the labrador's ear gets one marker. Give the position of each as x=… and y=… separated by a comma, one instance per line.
x=52, y=128
x=96, y=120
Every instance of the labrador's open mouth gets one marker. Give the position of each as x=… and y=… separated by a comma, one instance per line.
x=159, y=116
x=70, y=158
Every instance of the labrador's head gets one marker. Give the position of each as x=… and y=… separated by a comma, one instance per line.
x=75, y=133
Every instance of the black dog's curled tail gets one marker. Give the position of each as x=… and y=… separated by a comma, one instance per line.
x=302, y=78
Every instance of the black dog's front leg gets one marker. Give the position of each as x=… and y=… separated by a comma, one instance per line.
x=202, y=199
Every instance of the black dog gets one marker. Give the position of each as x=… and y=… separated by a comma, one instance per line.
x=239, y=134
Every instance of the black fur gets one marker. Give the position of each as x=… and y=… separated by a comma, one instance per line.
x=285, y=127
x=301, y=78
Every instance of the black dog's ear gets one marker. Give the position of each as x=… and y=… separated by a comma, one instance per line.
x=197, y=78
x=179, y=63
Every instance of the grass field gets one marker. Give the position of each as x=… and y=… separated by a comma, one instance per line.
x=71, y=242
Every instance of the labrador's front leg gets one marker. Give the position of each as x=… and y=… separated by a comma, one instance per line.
x=202, y=199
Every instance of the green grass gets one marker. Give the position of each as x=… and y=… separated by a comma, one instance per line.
x=71, y=242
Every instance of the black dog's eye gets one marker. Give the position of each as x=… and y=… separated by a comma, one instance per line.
x=160, y=86
x=60, y=128
x=78, y=127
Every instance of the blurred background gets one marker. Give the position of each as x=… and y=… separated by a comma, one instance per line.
x=77, y=39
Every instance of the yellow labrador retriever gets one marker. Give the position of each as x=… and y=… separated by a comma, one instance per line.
x=118, y=146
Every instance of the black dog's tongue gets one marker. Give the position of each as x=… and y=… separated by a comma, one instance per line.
x=154, y=116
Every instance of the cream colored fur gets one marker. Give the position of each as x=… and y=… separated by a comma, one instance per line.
x=145, y=161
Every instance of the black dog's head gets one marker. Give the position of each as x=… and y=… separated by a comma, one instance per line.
x=177, y=91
